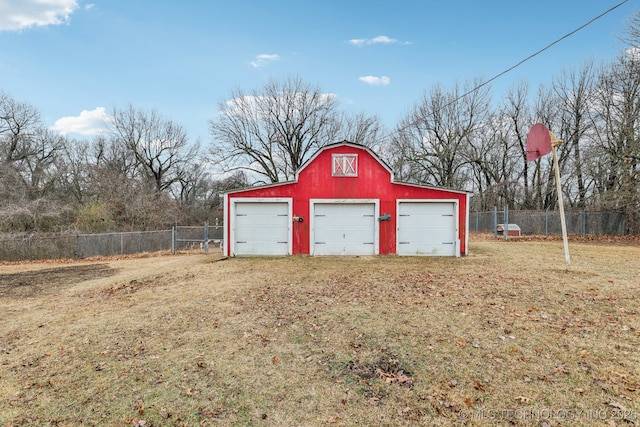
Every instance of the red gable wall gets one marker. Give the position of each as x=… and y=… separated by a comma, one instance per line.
x=315, y=181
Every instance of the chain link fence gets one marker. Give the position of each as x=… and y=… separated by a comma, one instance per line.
x=24, y=247
x=579, y=223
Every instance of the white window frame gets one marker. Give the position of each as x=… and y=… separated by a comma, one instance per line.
x=348, y=163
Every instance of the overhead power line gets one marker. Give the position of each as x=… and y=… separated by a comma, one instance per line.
x=533, y=55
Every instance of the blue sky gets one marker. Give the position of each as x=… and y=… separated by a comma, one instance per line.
x=75, y=60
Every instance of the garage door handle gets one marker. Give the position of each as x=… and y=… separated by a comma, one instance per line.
x=404, y=215
x=283, y=214
x=403, y=243
x=447, y=243
x=321, y=243
x=283, y=242
x=447, y=214
x=240, y=242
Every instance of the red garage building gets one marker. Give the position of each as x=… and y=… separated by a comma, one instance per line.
x=344, y=201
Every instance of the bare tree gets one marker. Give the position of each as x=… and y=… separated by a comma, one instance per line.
x=617, y=137
x=517, y=112
x=575, y=90
x=30, y=170
x=18, y=122
x=360, y=129
x=273, y=131
x=495, y=164
x=160, y=147
x=631, y=35
x=435, y=135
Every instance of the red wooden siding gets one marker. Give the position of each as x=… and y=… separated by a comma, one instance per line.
x=374, y=181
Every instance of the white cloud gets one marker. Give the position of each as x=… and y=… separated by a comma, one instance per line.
x=264, y=59
x=375, y=40
x=87, y=123
x=375, y=81
x=19, y=14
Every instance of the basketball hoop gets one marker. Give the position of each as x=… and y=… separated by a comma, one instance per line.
x=540, y=142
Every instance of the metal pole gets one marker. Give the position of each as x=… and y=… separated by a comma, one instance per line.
x=506, y=221
x=206, y=238
x=495, y=221
x=546, y=222
x=173, y=239
x=554, y=144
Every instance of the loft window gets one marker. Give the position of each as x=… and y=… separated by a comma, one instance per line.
x=345, y=165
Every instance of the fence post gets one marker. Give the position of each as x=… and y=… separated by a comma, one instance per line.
x=206, y=238
x=121, y=243
x=506, y=221
x=546, y=222
x=584, y=223
x=173, y=240
x=495, y=221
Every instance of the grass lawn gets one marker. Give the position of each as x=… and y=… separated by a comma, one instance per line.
x=505, y=336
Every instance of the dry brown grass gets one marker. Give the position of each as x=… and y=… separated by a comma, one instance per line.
x=505, y=336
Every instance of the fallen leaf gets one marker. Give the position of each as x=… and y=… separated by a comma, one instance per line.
x=275, y=360
x=523, y=399
x=479, y=386
x=403, y=379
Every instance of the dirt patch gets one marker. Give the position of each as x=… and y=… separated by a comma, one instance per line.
x=387, y=368
x=49, y=281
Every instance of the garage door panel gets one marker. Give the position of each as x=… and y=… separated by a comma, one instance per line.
x=344, y=229
x=261, y=228
x=260, y=234
x=426, y=228
x=426, y=209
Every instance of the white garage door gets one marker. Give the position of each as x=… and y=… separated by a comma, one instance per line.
x=344, y=229
x=261, y=228
x=426, y=228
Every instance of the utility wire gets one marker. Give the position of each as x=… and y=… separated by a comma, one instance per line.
x=533, y=55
